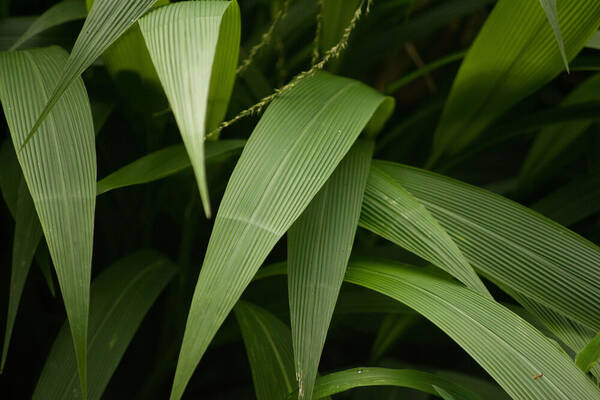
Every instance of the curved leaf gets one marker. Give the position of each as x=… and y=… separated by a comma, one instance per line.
x=319, y=247
x=163, y=163
x=513, y=56
x=587, y=357
x=120, y=298
x=192, y=44
x=60, y=170
x=511, y=351
x=60, y=13
x=295, y=147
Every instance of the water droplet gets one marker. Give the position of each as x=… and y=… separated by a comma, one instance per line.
x=360, y=371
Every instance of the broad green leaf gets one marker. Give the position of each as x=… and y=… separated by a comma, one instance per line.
x=106, y=22
x=293, y=150
x=120, y=298
x=392, y=327
x=573, y=202
x=319, y=247
x=594, y=41
x=587, y=357
x=194, y=46
x=513, y=56
x=553, y=140
x=511, y=350
x=59, y=167
x=27, y=235
x=339, y=382
x=163, y=163
x=511, y=244
x=60, y=13
x=268, y=343
x=390, y=211
x=551, y=11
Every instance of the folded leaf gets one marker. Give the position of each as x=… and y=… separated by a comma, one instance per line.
x=319, y=247
x=60, y=13
x=120, y=298
x=511, y=244
x=163, y=163
x=60, y=170
x=339, y=382
x=194, y=46
x=392, y=212
x=294, y=149
x=513, y=56
x=106, y=22
x=522, y=360
x=268, y=343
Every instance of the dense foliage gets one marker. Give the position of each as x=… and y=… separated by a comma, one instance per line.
x=284, y=199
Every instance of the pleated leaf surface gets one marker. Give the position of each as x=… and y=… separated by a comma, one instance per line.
x=319, y=247
x=59, y=167
x=188, y=43
x=120, y=298
x=293, y=150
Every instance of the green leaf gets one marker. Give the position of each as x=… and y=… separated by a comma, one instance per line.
x=392, y=327
x=334, y=16
x=60, y=13
x=553, y=140
x=587, y=357
x=508, y=348
x=27, y=235
x=120, y=298
x=551, y=11
x=163, y=163
x=106, y=22
x=194, y=46
x=339, y=382
x=511, y=244
x=594, y=42
x=512, y=57
x=294, y=149
x=319, y=247
x=268, y=343
x=392, y=212
x=59, y=167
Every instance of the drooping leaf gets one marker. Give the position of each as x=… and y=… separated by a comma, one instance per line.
x=392, y=212
x=513, y=352
x=268, y=343
x=163, y=163
x=587, y=357
x=194, y=46
x=339, y=382
x=60, y=170
x=513, y=56
x=511, y=244
x=106, y=22
x=553, y=140
x=60, y=13
x=294, y=149
x=319, y=246
x=551, y=11
x=120, y=298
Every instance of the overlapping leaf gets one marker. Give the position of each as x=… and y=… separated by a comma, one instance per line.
x=60, y=170
x=510, y=350
x=513, y=56
x=294, y=149
x=511, y=244
x=120, y=298
x=393, y=213
x=319, y=246
x=194, y=47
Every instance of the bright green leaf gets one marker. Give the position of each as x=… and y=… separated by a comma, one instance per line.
x=59, y=167
x=587, y=357
x=319, y=246
x=120, y=298
x=194, y=46
x=293, y=150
